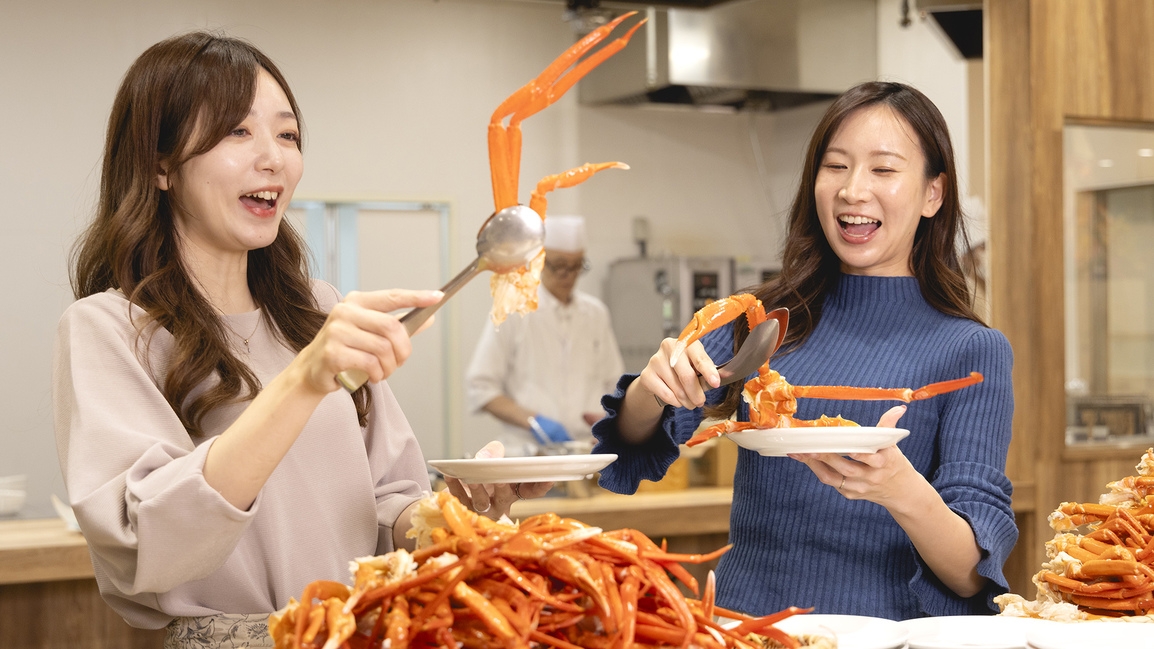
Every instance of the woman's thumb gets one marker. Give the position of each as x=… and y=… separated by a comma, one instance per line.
x=890, y=419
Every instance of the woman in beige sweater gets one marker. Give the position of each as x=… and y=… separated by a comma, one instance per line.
x=214, y=464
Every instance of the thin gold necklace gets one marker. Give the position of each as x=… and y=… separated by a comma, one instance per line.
x=245, y=340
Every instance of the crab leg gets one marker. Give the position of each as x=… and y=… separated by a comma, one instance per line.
x=884, y=394
x=574, y=176
x=554, y=81
x=714, y=315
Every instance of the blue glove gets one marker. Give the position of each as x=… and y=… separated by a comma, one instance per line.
x=548, y=431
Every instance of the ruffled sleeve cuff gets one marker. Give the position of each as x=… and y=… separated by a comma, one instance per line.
x=167, y=502
x=981, y=495
x=635, y=462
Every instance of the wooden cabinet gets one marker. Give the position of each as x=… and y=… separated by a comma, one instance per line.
x=49, y=598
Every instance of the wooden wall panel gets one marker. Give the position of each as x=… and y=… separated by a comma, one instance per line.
x=1009, y=295
x=1010, y=291
x=1048, y=62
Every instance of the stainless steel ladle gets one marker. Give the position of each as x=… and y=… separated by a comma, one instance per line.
x=510, y=238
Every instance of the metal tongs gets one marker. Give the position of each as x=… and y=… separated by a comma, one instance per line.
x=763, y=341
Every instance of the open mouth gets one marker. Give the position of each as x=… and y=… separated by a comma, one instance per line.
x=261, y=200
x=858, y=226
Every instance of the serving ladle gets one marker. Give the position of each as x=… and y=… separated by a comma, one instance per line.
x=511, y=238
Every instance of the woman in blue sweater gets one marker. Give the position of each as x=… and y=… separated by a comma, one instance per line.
x=872, y=278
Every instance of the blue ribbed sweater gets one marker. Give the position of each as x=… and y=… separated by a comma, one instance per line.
x=799, y=542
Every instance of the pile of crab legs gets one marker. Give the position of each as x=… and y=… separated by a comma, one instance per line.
x=547, y=582
x=1109, y=570
x=516, y=290
x=772, y=400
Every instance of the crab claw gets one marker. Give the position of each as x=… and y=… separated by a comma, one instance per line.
x=714, y=315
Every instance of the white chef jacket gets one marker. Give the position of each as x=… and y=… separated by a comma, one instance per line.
x=557, y=361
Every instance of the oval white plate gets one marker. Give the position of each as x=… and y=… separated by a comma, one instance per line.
x=853, y=631
x=834, y=439
x=1087, y=634
x=969, y=632
x=545, y=468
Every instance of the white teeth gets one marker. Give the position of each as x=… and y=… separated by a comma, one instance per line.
x=268, y=196
x=856, y=220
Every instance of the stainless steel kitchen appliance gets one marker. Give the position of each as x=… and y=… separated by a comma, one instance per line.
x=651, y=298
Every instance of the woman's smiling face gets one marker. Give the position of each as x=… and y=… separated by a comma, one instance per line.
x=871, y=192
x=231, y=199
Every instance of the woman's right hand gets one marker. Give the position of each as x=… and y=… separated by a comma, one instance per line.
x=361, y=333
x=678, y=385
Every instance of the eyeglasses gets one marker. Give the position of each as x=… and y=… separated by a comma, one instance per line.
x=557, y=268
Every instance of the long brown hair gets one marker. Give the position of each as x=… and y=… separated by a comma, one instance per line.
x=810, y=268
x=179, y=99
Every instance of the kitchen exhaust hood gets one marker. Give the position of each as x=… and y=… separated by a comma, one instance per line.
x=743, y=55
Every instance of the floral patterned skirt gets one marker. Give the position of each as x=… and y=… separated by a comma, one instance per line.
x=219, y=632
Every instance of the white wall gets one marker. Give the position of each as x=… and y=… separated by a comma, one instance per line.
x=921, y=55
x=396, y=95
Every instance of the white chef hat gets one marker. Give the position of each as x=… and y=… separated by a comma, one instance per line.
x=565, y=233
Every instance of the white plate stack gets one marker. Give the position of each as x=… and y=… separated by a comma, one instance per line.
x=13, y=489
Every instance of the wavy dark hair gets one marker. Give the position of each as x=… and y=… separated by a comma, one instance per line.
x=810, y=268
x=179, y=99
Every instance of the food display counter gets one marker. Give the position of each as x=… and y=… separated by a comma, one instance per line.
x=686, y=512
x=48, y=596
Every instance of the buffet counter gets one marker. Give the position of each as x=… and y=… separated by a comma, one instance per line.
x=48, y=596
x=41, y=550
x=686, y=512
x=44, y=550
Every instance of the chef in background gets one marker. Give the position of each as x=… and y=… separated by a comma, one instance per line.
x=543, y=374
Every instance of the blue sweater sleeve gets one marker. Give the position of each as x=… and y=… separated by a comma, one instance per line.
x=974, y=439
x=650, y=459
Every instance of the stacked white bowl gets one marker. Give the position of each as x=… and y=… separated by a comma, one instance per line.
x=13, y=489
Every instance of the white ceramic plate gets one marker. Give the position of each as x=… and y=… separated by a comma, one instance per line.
x=969, y=632
x=852, y=631
x=835, y=439
x=1090, y=634
x=546, y=468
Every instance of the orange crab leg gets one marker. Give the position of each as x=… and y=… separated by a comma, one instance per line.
x=505, y=141
x=574, y=176
x=727, y=426
x=883, y=394
x=714, y=315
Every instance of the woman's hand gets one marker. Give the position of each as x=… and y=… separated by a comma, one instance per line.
x=944, y=539
x=881, y=477
x=360, y=333
x=679, y=385
x=494, y=500
x=659, y=384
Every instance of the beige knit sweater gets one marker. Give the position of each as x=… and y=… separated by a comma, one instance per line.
x=164, y=544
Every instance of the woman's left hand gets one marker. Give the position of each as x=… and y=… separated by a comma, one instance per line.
x=880, y=477
x=494, y=500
